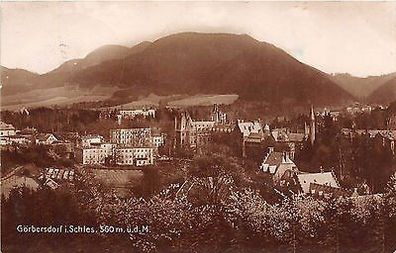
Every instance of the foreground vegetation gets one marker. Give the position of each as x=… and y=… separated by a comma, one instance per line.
x=214, y=212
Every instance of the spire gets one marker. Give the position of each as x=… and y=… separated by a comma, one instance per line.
x=312, y=126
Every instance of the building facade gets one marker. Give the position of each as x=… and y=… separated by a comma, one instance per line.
x=6, y=129
x=138, y=156
x=131, y=137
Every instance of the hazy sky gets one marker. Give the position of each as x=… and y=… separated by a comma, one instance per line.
x=358, y=38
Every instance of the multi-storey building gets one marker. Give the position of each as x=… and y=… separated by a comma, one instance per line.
x=91, y=155
x=96, y=154
x=138, y=156
x=131, y=113
x=131, y=137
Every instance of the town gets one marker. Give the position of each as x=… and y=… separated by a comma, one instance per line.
x=198, y=127
x=279, y=150
x=140, y=153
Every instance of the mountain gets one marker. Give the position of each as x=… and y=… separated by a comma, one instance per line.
x=16, y=81
x=193, y=63
x=361, y=87
x=384, y=94
x=197, y=63
x=101, y=54
x=19, y=78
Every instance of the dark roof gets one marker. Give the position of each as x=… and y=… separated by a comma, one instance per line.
x=43, y=137
x=274, y=158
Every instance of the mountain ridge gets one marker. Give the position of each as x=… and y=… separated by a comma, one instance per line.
x=208, y=63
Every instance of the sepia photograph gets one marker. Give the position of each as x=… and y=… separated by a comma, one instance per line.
x=198, y=126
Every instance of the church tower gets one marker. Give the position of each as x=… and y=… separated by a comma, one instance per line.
x=182, y=129
x=312, y=126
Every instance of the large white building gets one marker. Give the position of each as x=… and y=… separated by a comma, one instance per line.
x=138, y=156
x=96, y=154
x=131, y=113
x=132, y=137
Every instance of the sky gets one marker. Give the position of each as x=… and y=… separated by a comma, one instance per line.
x=336, y=37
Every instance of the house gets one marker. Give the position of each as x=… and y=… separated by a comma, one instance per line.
x=46, y=139
x=6, y=129
x=88, y=140
x=20, y=139
x=251, y=136
x=321, y=178
x=279, y=165
x=15, y=181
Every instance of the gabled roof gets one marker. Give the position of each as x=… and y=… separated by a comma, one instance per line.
x=321, y=178
x=44, y=137
x=5, y=126
x=277, y=162
x=247, y=128
x=274, y=158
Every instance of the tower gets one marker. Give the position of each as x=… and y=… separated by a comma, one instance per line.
x=312, y=126
x=218, y=116
x=182, y=129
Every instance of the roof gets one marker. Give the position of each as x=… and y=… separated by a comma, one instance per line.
x=271, y=162
x=279, y=134
x=5, y=126
x=273, y=158
x=59, y=173
x=44, y=137
x=254, y=137
x=321, y=178
x=282, y=134
x=15, y=181
x=247, y=128
x=91, y=136
x=318, y=189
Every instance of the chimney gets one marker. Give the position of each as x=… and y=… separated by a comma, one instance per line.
x=321, y=169
x=270, y=150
